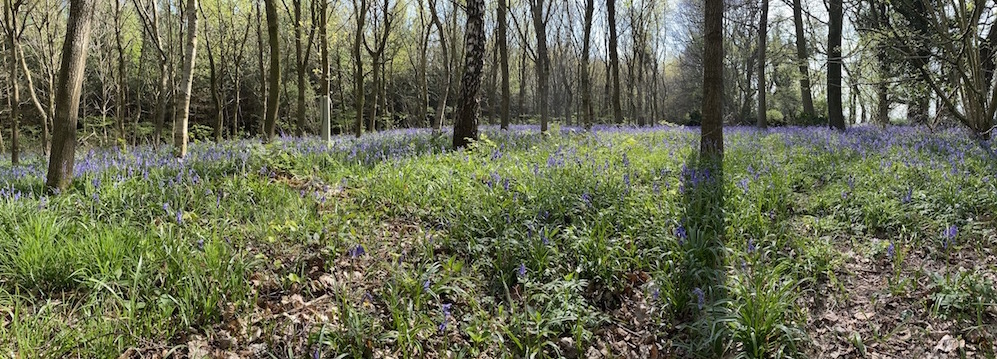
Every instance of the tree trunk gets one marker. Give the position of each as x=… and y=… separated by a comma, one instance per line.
x=324, y=103
x=119, y=110
x=182, y=111
x=836, y=116
x=711, y=131
x=614, y=62
x=264, y=94
x=466, y=124
x=763, y=24
x=71, y=71
x=804, y=61
x=15, y=106
x=273, y=97
x=441, y=106
x=216, y=97
x=586, y=74
x=358, y=92
x=502, y=43
x=299, y=130
x=543, y=61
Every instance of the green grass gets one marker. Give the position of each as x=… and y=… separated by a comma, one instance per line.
x=526, y=245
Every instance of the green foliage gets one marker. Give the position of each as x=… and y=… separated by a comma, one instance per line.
x=529, y=241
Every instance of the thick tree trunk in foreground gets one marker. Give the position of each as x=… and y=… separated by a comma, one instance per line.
x=182, y=110
x=836, y=117
x=74, y=52
x=543, y=62
x=502, y=44
x=466, y=125
x=273, y=78
x=712, y=135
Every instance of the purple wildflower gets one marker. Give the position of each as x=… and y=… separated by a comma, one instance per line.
x=522, y=270
x=751, y=245
x=700, y=297
x=179, y=217
x=907, y=197
x=744, y=185
x=446, y=316
x=357, y=251
x=891, y=251
x=681, y=233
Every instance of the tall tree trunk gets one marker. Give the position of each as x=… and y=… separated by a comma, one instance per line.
x=375, y=72
x=804, y=61
x=543, y=61
x=763, y=34
x=119, y=110
x=300, y=64
x=358, y=92
x=502, y=44
x=71, y=71
x=712, y=135
x=586, y=73
x=216, y=97
x=273, y=97
x=493, y=91
x=466, y=124
x=264, y=94
x=15, y=106
x=324, y=102
x=836, y=116
x=441, y=106
x=614, y=62
x=182, y=111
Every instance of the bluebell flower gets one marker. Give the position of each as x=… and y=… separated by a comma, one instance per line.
x=586, y=198
x=743, y=184
x=522, y=270
x=751, y=245
x=890, y=251
x=681, y=233
x=179, y=217
x=425, y=285
x=700, y=297
x=907, y=197
x=626, y=179
x=357, y=251
x=446, y=316
x=200, y=244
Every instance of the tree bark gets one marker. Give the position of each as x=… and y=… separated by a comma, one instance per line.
x=324, y=102
x=543, y=62
x=804, y=61
x=441, y=106
x=182, y=111
x=273, y=96
x=614, y=62
x=711, y=131
x=834, y=105
x=502, y=43
x=586, y=74
x=466, y=124
x=358, y=88
x=763, y=24
x=71, y=71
